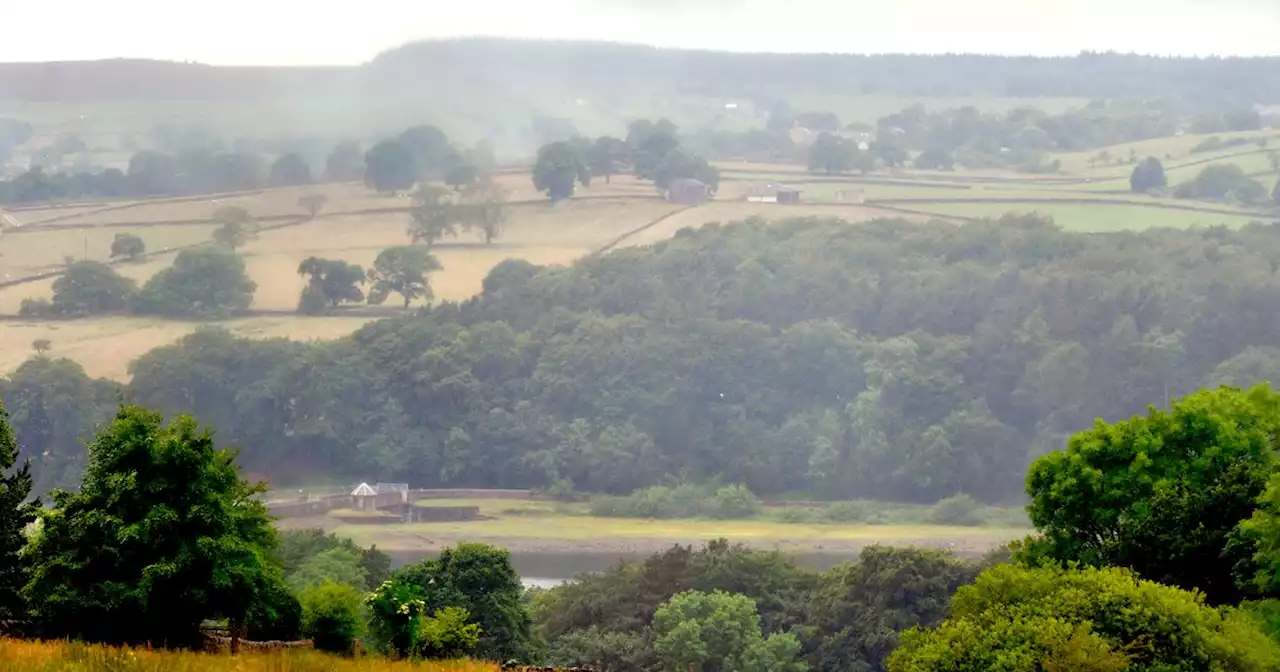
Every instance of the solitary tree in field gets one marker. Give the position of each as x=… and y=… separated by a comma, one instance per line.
x=831, y=154
x=389, y=167
x=15, y=514
x=235, y=226
x=485, y=205
x=434, y=215
x=128, y=246
x=1148, y=175
x=162, y=535
x=402, y=270
x=558, y=167
x=41, y=346
x=313, y=203
x=333, y=280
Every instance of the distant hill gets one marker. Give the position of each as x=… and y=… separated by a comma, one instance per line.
x=514, y=65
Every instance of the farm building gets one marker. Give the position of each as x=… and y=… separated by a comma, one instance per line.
x=772, y=192
x=688, y=191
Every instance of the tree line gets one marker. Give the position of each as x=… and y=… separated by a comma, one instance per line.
x=888, y=360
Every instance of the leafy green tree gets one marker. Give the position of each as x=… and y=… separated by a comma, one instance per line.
x=345, y=163
x=479, y=579
x=395, y=617
x=333, y=279
x=41, y=346
x=447, y=634
x=606, y=156
x=650, y=151
x=434, y=215
x=91, y=288
x=290, y=170
x=676, y=165
x=16, y=512
x=891, y=153
x=484, y=207
x=128, y=246
x=389, y=167
x=1148, y=175
x=1015, y=618
x=831, y=154
x=205, y=282
x=332, y=616
x=461, y=175
x=558, y=166
x=298, y=547
x=1165, y=495
x=236, y=226
x=162, y=535
x=337, y=565
x=402, y=270
x=429, y=149
x=153, y=174
x=720, y=631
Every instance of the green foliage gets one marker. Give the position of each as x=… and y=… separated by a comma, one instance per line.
x=680, y=501
x=1165, y=494
x=161, y=535
x=557, y=167
x=345, y=163
x=402, y=270
x=1222, y=181
x=389, y=167
x=91, y=288
x=957, y=510
x=484, y=207
x=128, y=246
x=1015, y=618
x=335, y=565
x=332, y=616
x=333, y=281
x=859, y=608
x=1148, y=175
x=478, y=579
x=276, y=614
x=434, y=215
x=720, y=631
x=236, y=227
x=290, y=170
x=678, y=164
x=429, y=149
x=935, y=159
x=607, y=156
x=733, y=501
x=395, y=617
x=856, y=511
x=447, y=634
x=204, y=282
x=16, y=512
x=297, y=548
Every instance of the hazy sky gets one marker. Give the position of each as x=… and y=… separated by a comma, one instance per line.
x=294, y=32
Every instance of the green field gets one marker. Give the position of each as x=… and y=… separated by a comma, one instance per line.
x=1094, y=217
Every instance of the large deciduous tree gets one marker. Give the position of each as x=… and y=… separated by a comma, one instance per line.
x=1148, y=175
x=607, y=156
x=720, y=631
x=16, y=512
x=162, y=535
x=206, y=282
x=831, y=154
x=402, y=270
x=345, y=163
x=334, y=280
x=236, y=227
x=558, y=167
x=89, y=288
x=290, y=170
x=1165, y=495
x=434, y=215
x=389, y=167
x=128, y=246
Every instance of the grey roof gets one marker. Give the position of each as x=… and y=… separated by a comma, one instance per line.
x=363, y=490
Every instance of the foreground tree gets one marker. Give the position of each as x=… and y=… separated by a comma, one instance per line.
x=1091, y=620
x=128, y=246
x=236, y=227
x=162, y=535
x=1165, y=495
x=91, y=288
x=15, y=514
x=332, y=280
x=559, y=165
x=402, y=270
x=206, y=282
x=1148, y=175
x=720, y=631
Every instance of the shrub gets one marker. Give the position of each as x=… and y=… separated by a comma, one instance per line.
x=856, y=511
x=681, y=501
x=36, y=308
x=796, y=514
x=956, y=510
x=332, y=616
x=277, y=616
x=733, y=501
x=447, y=634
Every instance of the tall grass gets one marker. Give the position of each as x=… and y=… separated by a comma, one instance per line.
x=22, y=656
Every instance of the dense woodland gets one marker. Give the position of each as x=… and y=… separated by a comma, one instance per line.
x=890, y=360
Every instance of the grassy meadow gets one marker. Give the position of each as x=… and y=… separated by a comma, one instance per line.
x=24, y=656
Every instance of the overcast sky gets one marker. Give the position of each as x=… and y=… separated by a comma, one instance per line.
x=294, y=32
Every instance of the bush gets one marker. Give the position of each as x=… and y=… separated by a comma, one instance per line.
x=447, y=634
x=312, y=301
x=36, y=308
x=276, y=617
x=956, y=510
x=856, y=511
x=733, y=501
x=332, y=616
x=796, y=515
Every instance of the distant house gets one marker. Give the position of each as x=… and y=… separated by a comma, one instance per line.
x=688, y=191
x=772, y=192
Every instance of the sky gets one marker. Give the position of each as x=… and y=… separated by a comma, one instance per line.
x=298, y=32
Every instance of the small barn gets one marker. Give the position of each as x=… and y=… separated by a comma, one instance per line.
x=688, y=191
x=789, y=196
